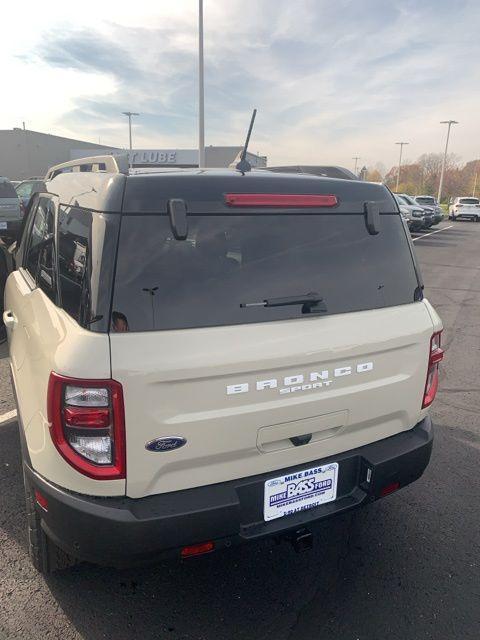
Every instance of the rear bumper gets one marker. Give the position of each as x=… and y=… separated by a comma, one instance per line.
x=13, y=226
x=467, y=216
x=125, y=531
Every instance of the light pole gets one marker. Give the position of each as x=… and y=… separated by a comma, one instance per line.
x=201, y=92
x=440, y=186
x=402, y=144
x=356, y=158
x=129, y=114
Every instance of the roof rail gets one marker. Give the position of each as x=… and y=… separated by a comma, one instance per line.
x=107, y=164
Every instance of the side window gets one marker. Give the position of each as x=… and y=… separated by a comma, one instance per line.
x=74, y=262
x=40, y=256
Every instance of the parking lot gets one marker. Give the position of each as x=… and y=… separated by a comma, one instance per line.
x=403, y=568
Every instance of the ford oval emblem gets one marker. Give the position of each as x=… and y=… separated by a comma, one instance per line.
x=168, y=443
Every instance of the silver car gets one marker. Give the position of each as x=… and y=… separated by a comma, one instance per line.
x=10, y=210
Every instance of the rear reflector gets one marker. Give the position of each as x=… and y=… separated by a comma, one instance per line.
x=41, y=500
x=389, y=488
x=435, y=357
x=197, y=549
x=279, y=200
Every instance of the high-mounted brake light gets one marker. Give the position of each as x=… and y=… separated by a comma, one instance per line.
x=280, y=200
x=197, y=549
x=435, y=357
x=87, y=425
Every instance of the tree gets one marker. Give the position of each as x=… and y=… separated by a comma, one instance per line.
x=374, y=175
x=423, y=176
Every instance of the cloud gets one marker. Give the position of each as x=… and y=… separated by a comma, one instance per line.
x=331, y=80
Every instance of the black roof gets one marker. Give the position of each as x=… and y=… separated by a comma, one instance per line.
x=204, y=190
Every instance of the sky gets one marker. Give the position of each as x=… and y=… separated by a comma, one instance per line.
x=330, y=80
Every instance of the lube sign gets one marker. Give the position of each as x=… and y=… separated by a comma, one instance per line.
x=153, y=157
x=301, y=382
x=162, y=157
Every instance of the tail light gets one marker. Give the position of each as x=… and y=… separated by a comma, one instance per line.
x=435, y=357
x=280, y=200
x=87, y=425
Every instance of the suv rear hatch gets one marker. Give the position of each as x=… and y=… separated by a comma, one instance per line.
x=243, y=385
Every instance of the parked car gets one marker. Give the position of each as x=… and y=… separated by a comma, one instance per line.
x=259, y=356
x=465, y=208
x=428, y=205
x=27, y=188
x=414, y=224
x=422, y=219
x=10, y=210
x=431, y=202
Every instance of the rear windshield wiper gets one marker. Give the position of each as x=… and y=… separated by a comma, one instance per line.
x=311, y=303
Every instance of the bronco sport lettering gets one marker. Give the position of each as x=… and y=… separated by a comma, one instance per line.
x=291, y=384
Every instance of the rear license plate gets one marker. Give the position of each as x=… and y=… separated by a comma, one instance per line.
x=3, y=225
x=300, y=491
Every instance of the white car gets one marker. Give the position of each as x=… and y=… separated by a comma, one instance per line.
x=466, y=208
x=206, y=358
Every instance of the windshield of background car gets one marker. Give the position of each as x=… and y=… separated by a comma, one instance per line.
x=230, y=260
x=468, y=201
x=25, y=189
x=7, y=190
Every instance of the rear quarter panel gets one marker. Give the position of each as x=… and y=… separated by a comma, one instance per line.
x=47, y=339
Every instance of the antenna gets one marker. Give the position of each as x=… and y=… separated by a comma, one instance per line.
x=244, y=165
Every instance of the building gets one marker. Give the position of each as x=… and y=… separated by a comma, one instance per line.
x=25, y=153
x=214, y=157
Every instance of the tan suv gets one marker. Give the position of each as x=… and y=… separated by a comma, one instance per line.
x=203, y=358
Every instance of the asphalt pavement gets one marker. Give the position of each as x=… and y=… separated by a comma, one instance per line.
x=404, y=568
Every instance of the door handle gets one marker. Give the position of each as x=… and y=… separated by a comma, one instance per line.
x=9, y=319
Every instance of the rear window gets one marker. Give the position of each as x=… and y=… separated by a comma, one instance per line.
x=426, y=200
x=7, y=190
x=228, y=260
x=468, y=201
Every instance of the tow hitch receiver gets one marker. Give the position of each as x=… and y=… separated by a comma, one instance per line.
x=302, y=540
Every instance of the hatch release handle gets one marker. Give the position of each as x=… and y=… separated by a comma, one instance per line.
x=177, y=212
x=299, y=441
x=372, y=217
